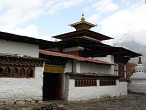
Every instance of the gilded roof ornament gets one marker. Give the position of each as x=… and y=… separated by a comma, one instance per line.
x=82, y=24
x=82, y=18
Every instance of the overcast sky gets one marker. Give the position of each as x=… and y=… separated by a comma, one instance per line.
x=121, y=19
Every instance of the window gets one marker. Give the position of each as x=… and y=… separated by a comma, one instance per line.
x=29, y=73
x=116, y=69
x=16, y=72
x=107, y=82
x=1, y=71
x=121, y=70
x=85, y=82
x=22, y=72
x=7, y=72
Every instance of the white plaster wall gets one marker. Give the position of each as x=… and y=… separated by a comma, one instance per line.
x=95, y=92
x=122, y=87
x=68, y=67
x=138, y=83
x=96, y=68
x=139, y=88
x=19, y=48
x=66, y=87
x=84, y=67
x=108, y=58
x=22, y=89
x=77, y=66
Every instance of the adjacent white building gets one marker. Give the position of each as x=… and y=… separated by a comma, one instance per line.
x=138, y=79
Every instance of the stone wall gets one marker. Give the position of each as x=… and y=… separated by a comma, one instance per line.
x=22, y=90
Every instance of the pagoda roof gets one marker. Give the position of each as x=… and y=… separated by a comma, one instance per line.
x=79, y=42
x=82, y=33
x=82, y=22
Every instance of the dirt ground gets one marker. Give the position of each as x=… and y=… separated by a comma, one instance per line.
x=132, y=101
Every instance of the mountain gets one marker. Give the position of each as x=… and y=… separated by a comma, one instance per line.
x=136, y=47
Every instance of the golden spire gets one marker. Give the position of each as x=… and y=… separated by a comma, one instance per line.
x=81, y=25
x=82, y=18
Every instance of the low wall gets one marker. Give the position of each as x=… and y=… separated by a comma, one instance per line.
x=93, y=92
x=22, y=90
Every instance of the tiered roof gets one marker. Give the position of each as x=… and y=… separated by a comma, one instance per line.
x=91, y=41
x=82, y=31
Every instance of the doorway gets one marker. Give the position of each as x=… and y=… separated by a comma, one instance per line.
x=52, y=86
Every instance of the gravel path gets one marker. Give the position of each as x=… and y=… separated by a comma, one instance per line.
x=131, y=101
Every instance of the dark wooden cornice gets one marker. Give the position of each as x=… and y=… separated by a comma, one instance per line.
x=43, y=44
x=83, y=32
x=14, y=60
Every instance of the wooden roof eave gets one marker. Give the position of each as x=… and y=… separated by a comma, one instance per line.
x=119, y=51
x=81, y=33
x=82, y=22
x=43, y=44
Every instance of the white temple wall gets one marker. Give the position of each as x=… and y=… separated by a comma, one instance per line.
x=96, y=68
x=108, y=58
x=85, y=67
x=22, y=90
x=122, y=86
x=20, y=48
x=73, y=93
x=68, y=66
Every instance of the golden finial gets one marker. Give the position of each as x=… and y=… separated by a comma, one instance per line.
x=82, y=18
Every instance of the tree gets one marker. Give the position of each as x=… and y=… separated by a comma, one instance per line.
x=130, y=69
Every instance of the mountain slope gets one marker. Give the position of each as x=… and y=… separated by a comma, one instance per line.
x=136, y=47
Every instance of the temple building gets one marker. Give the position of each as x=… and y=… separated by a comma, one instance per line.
x=77, y=67
x=138, y=79
x=93, y=69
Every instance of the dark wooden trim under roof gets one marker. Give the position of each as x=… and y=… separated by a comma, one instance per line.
x=43, y=44
x=110, y=50
x=93, y=75
x=71, y=42
x=16, y=60
x=83, y=32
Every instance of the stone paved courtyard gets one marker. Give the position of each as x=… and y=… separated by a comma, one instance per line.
x=131, y=101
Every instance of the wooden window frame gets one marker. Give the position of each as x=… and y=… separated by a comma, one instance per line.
x=107, y=82
x=15, y=73
x=85, y=82
x=121, y=71
x=2, y=68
